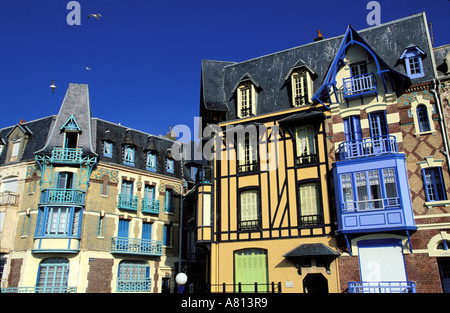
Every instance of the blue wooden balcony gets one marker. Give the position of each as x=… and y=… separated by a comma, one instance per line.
x=382, y=287
x=149, y=205
x=360, y=85
x=367, y=147
x=136, y=246
x=49, y=289
x=66, y=155
x=62, y=196
x=137, y=285
x=127, y=202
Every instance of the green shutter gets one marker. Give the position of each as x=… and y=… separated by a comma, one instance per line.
x=250, y=267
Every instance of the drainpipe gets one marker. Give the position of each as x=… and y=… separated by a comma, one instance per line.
x=441, y=118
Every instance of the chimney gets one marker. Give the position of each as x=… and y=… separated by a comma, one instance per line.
x=319, y=36
x=171, y=134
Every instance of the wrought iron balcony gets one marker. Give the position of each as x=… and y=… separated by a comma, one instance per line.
x=367, y=147
x=149, y=205
x=49, y=289
x=62, y=196
x=138, y=285
x=382, y=287
x=127, y=202
x=67, y=155
x=355, y=86
x=136, y=246
x=9, y=198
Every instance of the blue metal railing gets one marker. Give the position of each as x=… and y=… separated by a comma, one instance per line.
x=136, y=246
x=62, y=196
x=49, y=289
x=127, y=202
x=138, y=285
x=367, y=147
x=169, y=208
x=359, y=85
x=382, y=287
x=149, y=205
x=67, y=155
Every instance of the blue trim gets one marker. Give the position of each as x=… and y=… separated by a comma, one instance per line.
x=71, y=124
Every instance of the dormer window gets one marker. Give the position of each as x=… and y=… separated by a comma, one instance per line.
x=128, y=155
x=246, y=98
x=413, y=61
x=301, y=88
x=71, y=130
x=151, y=161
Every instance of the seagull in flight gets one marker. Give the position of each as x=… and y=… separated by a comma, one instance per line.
x=88, y=68
x=53, y=86
x=97, y=15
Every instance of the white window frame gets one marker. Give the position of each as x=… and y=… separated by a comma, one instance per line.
x=301, y=88
x=246, y=99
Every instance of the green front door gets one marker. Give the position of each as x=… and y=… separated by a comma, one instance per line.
x=250, y=267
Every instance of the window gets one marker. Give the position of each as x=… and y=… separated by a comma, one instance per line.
x=422, y=118
x=413, y=61
x=59, y=221
x=170, y=165
x=107, y=149
x=166, y=235
x=249, y=214
x=247, y=153
x=15, y=147
x=65, y=180
x=434, y=184
x=127, y=187
x=369, y=190
x=168, y=201
x=129, y=154
x=52, y=275
x=306, y=145
x=310, y=208
x=101, y=226
x=150, y=163
x=301, y=90
x=133, y=276
x=246, y=98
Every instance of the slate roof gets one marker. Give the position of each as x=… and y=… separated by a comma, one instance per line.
x=310, y=250
x=388, y=40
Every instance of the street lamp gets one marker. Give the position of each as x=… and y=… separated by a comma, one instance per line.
x=181, y=280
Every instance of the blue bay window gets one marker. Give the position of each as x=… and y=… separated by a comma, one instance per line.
x=59, y=222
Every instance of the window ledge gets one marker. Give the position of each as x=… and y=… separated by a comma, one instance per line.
x=437, y=203
x=431, y=132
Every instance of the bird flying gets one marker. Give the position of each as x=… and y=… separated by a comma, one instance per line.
x=53, y=86
x=97, y=15
x=88, y=68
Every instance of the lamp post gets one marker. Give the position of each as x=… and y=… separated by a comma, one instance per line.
x=181, y=280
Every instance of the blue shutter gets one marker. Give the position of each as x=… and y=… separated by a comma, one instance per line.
x=123, y=228
x=146, y=231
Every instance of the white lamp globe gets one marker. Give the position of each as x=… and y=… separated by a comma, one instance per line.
x=181, y=279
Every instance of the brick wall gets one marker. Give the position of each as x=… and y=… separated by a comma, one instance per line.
x=424, y=271
x=348, y=271
x=14, y=273
x=100, y=275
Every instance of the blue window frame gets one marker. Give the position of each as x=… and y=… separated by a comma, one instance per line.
x=133, y=276
x=52, y=275
x=170, y=165
x=422, y=118
x=124, y=226
x=107, y=149
x=413, y=62
x=168, y=201
x=150, y=163
x=434, y=184
x=128, y=155
x=59, y=222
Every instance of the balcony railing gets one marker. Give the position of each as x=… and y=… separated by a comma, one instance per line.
x=9, y=198
x=311, y=220
x=359, y=85
x=138, y=285
x=127, y=202
x=252, y=288
x=149, y=205
x=370, y=205
x=62, y=196
x=251, y=166
x=382, y=287
x=367, y=147
x=67, y=155
x=136, y=246
x=50, y=289
x=169, y=208
x=250, y=225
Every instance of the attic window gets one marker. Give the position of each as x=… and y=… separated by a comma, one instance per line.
x=413, y=61
x=301, y=87
x=246, y=98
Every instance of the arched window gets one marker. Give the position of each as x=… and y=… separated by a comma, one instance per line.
x=422, y=118
x=52, y=275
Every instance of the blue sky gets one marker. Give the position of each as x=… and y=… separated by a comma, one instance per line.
x=145, y=55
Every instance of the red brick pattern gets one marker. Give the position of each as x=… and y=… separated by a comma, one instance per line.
x=100, y=275
x=14, y=273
